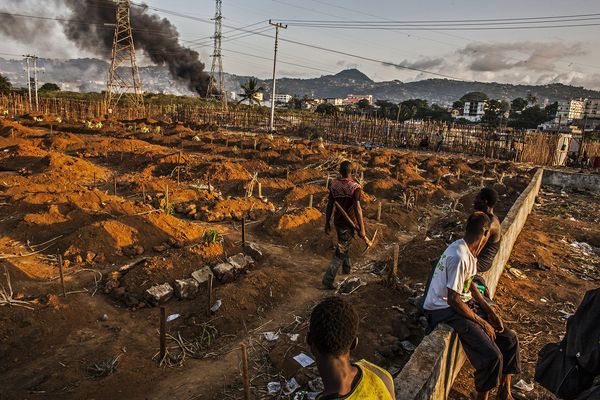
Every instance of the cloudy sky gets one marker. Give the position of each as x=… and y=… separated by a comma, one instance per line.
x=570, y=55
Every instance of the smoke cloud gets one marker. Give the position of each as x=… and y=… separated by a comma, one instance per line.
x=155, y=36
x=86, y=26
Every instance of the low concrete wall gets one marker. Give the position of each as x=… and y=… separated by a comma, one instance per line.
x=571, y=180
x=432, y=368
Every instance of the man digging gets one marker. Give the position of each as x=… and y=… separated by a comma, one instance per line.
x=346, y=193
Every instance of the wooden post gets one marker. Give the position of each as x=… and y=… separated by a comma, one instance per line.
x=255, y=143
x=327, y=182
x=379, y=211
x=163, y=334
x=243, y=232
x=394, y=269
x=94, y=180
x=259, y=190
x=310, y=201
x=178, y=168
x=210, y=288
x=245, y=376
x=209, y=187
x=287, y=173
x=167, y=198
x=62, y=276
x=115, y=185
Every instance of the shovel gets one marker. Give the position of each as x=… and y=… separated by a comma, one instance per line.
x=368, y=241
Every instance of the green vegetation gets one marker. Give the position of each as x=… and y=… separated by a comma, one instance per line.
x=49, y=87
x=5, y=85
x=212, y=236
x=251, y=91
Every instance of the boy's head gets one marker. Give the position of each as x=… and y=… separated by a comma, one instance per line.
x=346, y=169
x=485, y=199
x=333, y=328
x=478, y=228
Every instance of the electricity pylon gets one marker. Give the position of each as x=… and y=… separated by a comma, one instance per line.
x=123, y=77
x=216, y=84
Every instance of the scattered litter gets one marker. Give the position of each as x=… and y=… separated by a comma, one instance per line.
x=517, y=273
x=565, y=314
x=304, y=360
x=271, y=336
x=524, y=386
x=273, y=387
x=350, y=285
x=407, y=345
x=216, y=306
x=543, y=300
x=293, y=336
x=316, y=385
x=290, y=386
x=173, y=317
x=586, y=248
x=427, y=239
x=398, y=308
x=312, y=395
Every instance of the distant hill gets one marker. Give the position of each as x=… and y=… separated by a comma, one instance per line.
x=90, y=74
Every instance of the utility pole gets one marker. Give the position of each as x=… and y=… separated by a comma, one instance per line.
x=28, y=80
x=277, y=26
x=123, y=76
x=29, y=57
x=216, y=85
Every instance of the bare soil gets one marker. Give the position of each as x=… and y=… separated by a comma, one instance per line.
x=58, y=200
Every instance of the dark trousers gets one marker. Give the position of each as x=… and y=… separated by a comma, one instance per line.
x=490, y=359
x=345, y=234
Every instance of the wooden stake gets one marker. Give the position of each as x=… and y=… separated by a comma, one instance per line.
x=210, y=288
x=115, y=185
x=62, y=276
x=259, y=190
x=379, y=211
x=163, y=334
x=178, y=175
x=394, y=270
x=243, y=231
x=327, y=182
x=167, y=198
x=245, y=376
x=94, y=180
x=310, y=201
x=287, y=173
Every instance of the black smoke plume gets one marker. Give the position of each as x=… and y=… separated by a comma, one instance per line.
x=155, y=36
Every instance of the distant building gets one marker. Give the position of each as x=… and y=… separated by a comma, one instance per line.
x=335, y=101
x=352, y=99
x=592, y=109
x=259, y=96
x=282, y=98
x=308, y=104
x=569, y=110
x=474, y=110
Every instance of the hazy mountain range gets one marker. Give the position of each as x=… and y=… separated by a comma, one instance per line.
x=89, y=74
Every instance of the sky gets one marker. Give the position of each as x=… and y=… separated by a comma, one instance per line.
x=569, y=55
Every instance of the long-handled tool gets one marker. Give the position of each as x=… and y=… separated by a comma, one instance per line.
x=368, y=241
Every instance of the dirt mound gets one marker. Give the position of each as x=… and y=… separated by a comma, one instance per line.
x=300, y=194
x=418, y=257
x=23, y=158
x=224, y=171
x=306, y=175
x=64, y=142
x=379, y=161
x=290, y=222
x=8, y=128
x=235, y=208
x=384, y=187
x=407, y=174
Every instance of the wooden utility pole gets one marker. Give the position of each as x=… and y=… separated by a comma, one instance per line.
x=277, y=26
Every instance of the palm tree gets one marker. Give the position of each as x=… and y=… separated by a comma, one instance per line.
x=251, y=90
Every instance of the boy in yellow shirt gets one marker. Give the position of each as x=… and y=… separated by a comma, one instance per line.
x=332, y=336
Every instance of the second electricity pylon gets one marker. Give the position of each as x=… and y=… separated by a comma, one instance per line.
x=123, y=77
x=216, y=84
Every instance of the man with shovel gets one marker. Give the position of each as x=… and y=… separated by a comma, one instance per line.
x=344, y=198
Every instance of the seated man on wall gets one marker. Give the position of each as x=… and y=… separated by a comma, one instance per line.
x=453, y=298
x=331, y=337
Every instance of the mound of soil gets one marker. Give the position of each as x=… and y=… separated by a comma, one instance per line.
x=384, y=188
x=224, y=172
x=236, y=208
x=300, y=194
x=290, y=222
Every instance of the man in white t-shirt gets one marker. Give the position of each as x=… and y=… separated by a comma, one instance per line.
x=452, y=298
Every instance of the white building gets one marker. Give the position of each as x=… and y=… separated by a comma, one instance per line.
x=569, y=110
x=474, y=110
x=282, y=98
x=335, y=101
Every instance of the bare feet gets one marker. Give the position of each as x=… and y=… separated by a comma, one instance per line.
x=504, y=391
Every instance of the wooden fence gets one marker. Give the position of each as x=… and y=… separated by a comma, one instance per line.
x=539, y=148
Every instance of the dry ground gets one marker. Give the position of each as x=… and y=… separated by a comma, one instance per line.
x=57, y=199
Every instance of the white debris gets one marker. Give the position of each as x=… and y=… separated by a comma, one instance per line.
x=524, y=386
x=304, y=360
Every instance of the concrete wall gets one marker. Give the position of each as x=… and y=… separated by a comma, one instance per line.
x=571, y=180
x=432, y=368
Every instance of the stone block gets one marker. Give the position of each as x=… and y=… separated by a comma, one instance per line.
x=240, y=261
x=201, y=275
x=252, y=250
x=186, y=288
x=225, y=272
x=159, y=294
